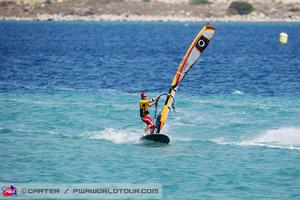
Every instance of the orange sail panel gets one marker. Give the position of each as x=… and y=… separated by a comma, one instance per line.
x=197, y=47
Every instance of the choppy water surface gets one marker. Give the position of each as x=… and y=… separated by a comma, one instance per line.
x=69, y=95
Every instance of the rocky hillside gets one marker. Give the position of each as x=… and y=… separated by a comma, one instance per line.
x=148, y=10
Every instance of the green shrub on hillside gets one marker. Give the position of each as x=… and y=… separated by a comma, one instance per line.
x=294, y=9
x=240, y=7
x=7, y=3
x=197, y=2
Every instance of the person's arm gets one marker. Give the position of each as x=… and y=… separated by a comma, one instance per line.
x=151, y=104
x=152, y=101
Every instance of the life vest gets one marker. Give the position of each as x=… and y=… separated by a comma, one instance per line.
x=144, y=107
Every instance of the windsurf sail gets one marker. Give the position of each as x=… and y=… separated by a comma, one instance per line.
x=197, y=47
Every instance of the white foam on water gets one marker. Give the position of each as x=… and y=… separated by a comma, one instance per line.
x=127, y=136
x=286, y=137
x=238, y=92
x=117, y=136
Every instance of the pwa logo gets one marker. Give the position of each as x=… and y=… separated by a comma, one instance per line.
x=9, y=191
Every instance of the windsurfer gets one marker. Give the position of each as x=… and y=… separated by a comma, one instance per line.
x=144, y=112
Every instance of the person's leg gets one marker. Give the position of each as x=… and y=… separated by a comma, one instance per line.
x=151, y=126
x=146, y=128
x=147, y=119
x=151, y=129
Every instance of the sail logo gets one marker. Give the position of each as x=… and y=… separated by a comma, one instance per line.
x=9, y=191
x=201, y=43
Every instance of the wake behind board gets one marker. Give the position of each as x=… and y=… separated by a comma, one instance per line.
x=156, y=138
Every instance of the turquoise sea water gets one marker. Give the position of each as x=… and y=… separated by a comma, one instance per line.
x=69, y=95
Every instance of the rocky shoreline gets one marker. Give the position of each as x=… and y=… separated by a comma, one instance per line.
x=142, y=11
x=149, y=18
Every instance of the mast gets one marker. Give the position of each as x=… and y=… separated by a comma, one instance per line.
x=198, y=45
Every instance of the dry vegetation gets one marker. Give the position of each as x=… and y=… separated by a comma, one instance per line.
x=125, y=8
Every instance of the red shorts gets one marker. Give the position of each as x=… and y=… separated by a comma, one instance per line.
x=147, y=119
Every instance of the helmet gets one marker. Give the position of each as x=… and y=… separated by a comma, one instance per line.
x=143, y=94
